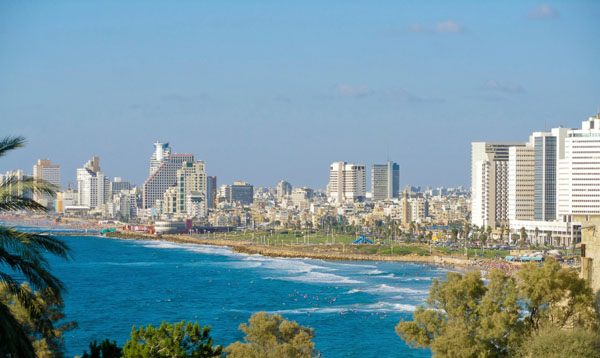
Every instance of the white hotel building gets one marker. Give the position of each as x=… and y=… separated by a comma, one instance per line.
x=579, y=171
x=553, y=183
x=347, y=182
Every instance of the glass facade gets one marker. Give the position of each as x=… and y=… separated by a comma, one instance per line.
x=544, y=194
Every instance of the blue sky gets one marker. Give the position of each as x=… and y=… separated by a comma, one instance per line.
x=271, y=90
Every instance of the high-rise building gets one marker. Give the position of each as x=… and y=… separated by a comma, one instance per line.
x=49, y=173
x=489, y=183
x=211, y=191
x=190, y=189
x=161, y=151
x=579, y=171
x=520, y=183
x=549, y=149
x=118, y=184
x=283, y=189
x=240, y=192
x=347, y=182
x=92, y=185
x=163, y=169
x=385, y=181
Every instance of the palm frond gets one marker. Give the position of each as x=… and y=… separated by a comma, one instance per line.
x=16, y=202
x=13, y=239
x=13, y=189
x=10, y=143
x=14, y=338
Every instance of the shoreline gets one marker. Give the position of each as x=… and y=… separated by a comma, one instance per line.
x=304, y=251
x=319, y=252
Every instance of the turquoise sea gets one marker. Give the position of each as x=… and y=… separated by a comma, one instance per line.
x=353, y=306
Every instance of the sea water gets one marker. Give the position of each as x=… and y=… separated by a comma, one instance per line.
x=353, y=307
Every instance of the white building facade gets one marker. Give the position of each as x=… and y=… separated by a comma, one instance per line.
x=489, y=183
x=347, y=182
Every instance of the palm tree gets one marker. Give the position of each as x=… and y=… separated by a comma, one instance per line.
x=22, y=260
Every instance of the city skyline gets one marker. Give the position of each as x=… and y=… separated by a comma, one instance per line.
x=261, y=100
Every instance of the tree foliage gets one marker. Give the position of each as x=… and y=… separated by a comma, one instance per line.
x=466, y=318
x=22, y=254
x=562, y=343
x=270, y=336
x=106, y=349
x=48, y=342
x=171, y=340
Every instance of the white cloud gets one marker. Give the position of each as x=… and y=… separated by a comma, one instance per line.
x=544, y=11
x=505, y=87
x=444, y=27
x=347, y=90
x=401, y=95
x=448, y=27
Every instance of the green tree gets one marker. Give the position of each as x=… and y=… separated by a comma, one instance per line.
x=454, y=234
x=48, y=343
x=523, y=237
x=465, y=318
x=106, y=349
x=561, y=343
x=270, y=336
x=171, y=340
x=22, y=254
x=556, y=297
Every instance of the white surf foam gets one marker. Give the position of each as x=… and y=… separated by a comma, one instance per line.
x=374, y=307
x=203, y=249
x=319, y=277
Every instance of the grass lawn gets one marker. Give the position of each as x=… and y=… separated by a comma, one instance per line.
x=483, y=253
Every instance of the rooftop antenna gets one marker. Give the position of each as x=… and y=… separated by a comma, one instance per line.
x=388, y=151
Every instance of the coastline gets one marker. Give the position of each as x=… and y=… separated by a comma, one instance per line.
x=305, y=251
x=320, y=252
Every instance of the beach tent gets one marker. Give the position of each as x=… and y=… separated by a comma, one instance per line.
x=362, y=240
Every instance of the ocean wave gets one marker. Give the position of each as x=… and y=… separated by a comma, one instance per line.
x=374, y=272
x=287, y=265
x=383, y=288
x=374, y=307
x=203, y=249
x=319, y=277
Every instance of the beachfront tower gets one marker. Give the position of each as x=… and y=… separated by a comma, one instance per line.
x=385, y=181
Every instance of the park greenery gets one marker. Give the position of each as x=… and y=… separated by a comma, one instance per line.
x=464, y=317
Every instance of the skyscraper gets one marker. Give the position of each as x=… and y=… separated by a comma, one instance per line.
x=489, y=183
x=163, y=169
x=385, y=181
x=520, y=183
x=549, y=149
x=347, y=182
x=579, y=171
x=161, y=151
x=240, y=192
x=49, y=173
x=189, y=190
x=92, y=185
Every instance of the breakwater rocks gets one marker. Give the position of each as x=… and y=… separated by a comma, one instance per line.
x=322, y=252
